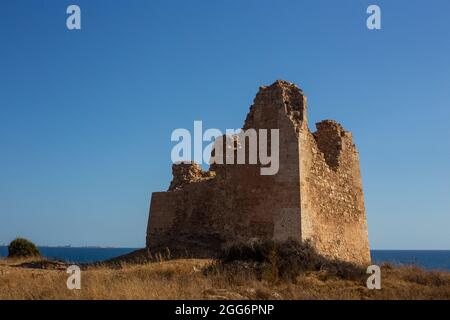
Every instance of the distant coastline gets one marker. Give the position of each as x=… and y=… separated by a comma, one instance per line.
x=71, y=254
x=74, y=247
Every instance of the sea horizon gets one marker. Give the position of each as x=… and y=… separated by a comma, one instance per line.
x=433, y=259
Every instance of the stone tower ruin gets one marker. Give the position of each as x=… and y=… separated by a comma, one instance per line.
x=316, y=195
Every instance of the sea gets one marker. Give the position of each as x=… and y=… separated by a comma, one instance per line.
x=427, y=259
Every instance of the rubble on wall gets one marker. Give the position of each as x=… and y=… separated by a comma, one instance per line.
x=187, y=172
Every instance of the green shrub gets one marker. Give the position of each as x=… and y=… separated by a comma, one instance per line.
x=22, y=248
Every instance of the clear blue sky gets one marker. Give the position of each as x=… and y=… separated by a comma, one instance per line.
x=86, y=116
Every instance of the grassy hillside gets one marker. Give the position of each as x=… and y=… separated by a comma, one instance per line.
x=206, y=279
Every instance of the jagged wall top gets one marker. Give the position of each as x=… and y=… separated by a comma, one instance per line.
x=280, y=94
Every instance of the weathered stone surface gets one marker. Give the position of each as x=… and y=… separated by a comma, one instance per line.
x=316, y=194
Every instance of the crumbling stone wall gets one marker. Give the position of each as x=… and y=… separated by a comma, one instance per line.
x=316, y=194
x=333, y=214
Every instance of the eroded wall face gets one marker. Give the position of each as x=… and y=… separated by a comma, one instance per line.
x=281, y=106
x=333, y=214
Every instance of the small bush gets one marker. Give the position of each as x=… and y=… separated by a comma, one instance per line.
x=272, y=260
x=20, y=248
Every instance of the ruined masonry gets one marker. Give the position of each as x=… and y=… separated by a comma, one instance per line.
x=316, y=194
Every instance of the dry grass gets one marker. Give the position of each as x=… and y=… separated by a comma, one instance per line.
x=190, y=279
